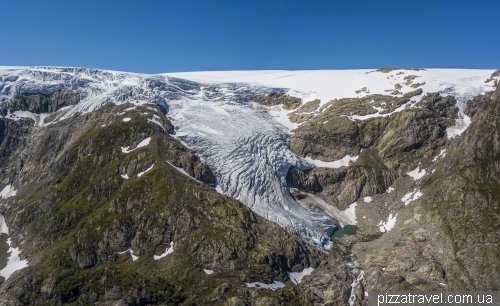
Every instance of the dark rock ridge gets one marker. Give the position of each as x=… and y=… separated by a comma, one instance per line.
x=40, y=103
x=278, y=98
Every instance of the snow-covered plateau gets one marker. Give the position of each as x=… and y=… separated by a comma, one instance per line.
x=244, y=143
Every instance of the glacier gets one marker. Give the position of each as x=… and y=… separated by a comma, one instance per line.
x=245, y=144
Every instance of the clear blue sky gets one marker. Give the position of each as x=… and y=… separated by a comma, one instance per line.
x=183, y=35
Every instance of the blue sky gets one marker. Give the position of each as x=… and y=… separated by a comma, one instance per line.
x=167, y=36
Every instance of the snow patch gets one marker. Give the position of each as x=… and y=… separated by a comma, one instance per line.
x=280, y=115
x=417, y=173
x=208, y=271
x=8, y=191
x=411, y=196
x=440, y=155
x=125, y=176
x=126, y=119
x=142, y=173
x=167, y=251
x=14, y=263
x=367, y=199
x=390, y=190
x=156, y=122
x=296, y=277
x=273, y=286
x=134, y=258
x=389, y=224
x=141, y=144
x=3, y=226
x=345, y=161
x=378, y=114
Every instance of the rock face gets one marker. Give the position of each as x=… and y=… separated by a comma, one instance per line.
x=437, y=229
x=102, y=196
x=388, y=146
x=448, y=238
x=344, y=185
x=40, y=103
x=278, y=98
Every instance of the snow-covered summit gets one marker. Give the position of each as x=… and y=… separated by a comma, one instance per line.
x=327, y=85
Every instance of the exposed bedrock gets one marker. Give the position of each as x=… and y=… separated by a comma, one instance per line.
x=388, y=146
x=39, y=103
x=344, y=185
x=278, y=98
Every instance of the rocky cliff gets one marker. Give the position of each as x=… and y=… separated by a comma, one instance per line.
x=426, y=198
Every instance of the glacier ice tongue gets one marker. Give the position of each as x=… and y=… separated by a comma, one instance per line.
x=249, y=154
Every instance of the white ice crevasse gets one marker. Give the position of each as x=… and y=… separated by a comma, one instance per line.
x=14, y=263
x=244, y=145
x=169, y=250
x=141, y=144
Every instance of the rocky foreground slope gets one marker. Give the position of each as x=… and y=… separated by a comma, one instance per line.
x=123, y=189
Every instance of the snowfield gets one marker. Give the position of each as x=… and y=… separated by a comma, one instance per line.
x=245, y=144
